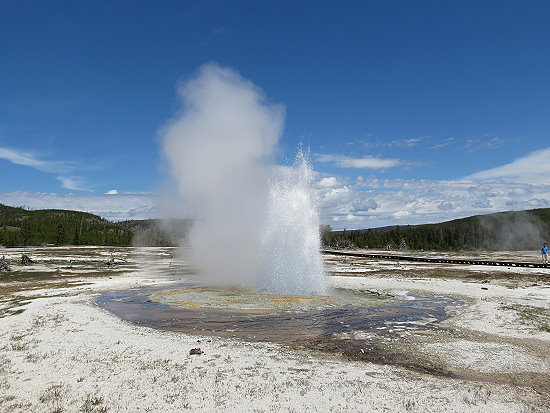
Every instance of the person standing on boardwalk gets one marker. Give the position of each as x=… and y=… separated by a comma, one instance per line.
x=544, y=252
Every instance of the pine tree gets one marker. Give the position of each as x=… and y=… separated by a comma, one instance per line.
x=61, y=236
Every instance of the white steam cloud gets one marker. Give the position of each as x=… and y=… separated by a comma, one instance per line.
x=253, y=224
x=218, y=148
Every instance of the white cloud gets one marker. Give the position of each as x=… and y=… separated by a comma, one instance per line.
x=406, y=143
x=20, y=158
x=365, y=203
x=32, y=161
x=521, y=184
x=401, y=214
x=485, y=142
x=534, y=167
x=344, y=202
x=63, y=169
x=374, y=202
x=367, y=162
x=388, y=202
x=329, y=182
x=74, y=183
x=443, y=143
x=111, y=192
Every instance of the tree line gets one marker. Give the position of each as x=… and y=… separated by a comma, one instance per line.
x=512, y=230
x=21, y=227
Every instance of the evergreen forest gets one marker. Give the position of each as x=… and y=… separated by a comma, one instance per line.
x=513, y=230
x=20, y=227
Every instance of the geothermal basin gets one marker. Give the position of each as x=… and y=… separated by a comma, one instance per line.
x=54, y=336
x=348, y=321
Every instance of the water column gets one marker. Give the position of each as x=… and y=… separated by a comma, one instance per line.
x=290, y=259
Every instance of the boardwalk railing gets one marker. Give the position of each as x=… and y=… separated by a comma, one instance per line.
x=436, y=260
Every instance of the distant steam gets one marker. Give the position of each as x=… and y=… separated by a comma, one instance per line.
x=518, y=230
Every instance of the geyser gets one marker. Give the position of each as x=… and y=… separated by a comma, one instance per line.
x=290, y=259
x=253, y=223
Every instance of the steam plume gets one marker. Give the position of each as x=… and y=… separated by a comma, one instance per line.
x=218, y=148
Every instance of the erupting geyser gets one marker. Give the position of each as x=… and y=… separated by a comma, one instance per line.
x=254, y=223
x=290, y=258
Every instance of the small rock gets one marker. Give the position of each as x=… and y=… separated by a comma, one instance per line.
x=484, y=288
x=25, y=260
x=196, y=351
x=4, y=265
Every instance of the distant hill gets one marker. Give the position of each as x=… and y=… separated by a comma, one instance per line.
x=512, y=230
x=20, y=226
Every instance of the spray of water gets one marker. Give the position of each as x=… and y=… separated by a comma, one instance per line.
x=251, y=225
x=290, y=243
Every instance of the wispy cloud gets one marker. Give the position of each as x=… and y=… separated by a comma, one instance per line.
x=407, y=142
x=62, y=169
x=410, y=142
x=534, y=167
x=73, y=183
x=443, y=143
x=367, y=162
x=30, y=160
x=468, y=144
x=486, y=142
x=370, y=142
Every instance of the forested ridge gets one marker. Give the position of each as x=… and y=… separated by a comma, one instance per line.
x=19, y=227
x=513, y=230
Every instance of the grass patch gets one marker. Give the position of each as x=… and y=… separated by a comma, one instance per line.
x=5, y=365
x=17, y=342
x=477, y=395
x=12, y=306
x=52, y=397
x=8, y=292
x=534, y=316
x=93, y=404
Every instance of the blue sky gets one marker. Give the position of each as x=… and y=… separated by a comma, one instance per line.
x=414, y=111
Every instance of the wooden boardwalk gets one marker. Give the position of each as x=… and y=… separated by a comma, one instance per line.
x=437, y=260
